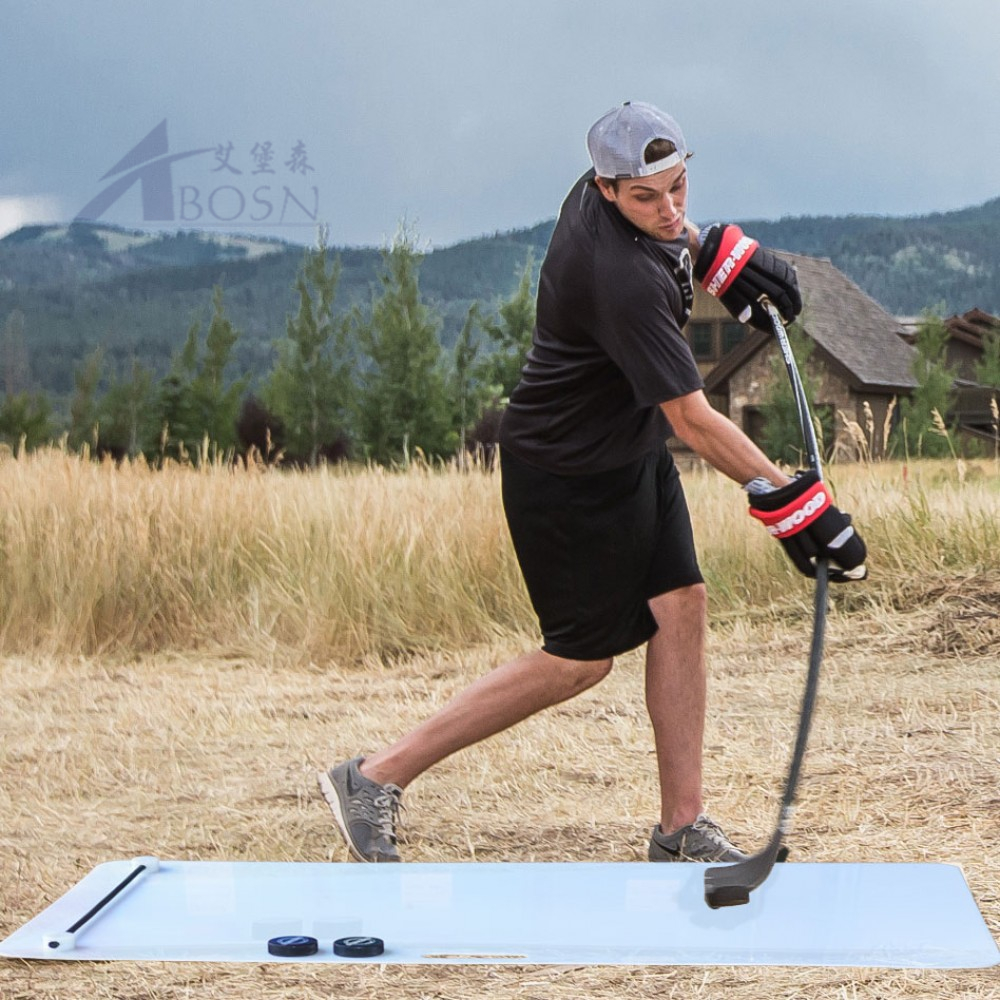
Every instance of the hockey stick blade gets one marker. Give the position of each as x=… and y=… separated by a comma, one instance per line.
x=731, y=885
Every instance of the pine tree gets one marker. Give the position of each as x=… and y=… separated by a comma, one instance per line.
x=176, y=416
x=987, y=369
x=195, y=402
x=83, y=408
x=126, y=415
x=217, y=404
x=25, y=417
x=15, y=361
x=916, y=431
x=512, y=333
x=311, y=390
x=464, y=379
x=782, y=431
x=404, y=400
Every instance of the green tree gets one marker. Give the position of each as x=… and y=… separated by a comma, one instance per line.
x=915, y=431
x=782, y=430
x=311, y=389
x=511, y=331
x=216, y=403
x=26, y=416
x=195, y=400
x=15, y=362
x=404, y=402
x=464, y=379
x=126, y=414
x=987, y=369
x=83, y=408
x=176, y=415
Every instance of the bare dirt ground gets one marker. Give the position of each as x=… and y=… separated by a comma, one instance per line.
x=212, y=758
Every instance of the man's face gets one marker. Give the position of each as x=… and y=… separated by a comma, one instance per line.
x=657, y=204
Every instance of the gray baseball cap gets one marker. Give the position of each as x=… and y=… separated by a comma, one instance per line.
x=618, y=140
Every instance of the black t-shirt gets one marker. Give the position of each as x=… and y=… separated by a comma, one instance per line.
x=607, y=348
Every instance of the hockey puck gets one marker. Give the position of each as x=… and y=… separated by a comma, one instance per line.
x=358, y=947
x=293, y=946
x=727, y=895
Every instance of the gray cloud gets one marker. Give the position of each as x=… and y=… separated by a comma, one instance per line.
x=468, y=117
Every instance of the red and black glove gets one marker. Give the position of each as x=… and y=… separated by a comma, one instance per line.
x=737, y=270
x=803, y=518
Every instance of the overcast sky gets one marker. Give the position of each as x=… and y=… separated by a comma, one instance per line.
x=469, y=117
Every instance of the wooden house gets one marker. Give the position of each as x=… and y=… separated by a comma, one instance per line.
x=860, y=359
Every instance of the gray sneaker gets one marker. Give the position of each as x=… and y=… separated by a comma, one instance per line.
x=365, y=811
x=703, y=840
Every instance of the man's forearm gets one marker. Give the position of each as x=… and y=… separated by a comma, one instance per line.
x=724, y=446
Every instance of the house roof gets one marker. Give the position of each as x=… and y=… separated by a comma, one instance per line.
x=972, y=326
x=847, y=324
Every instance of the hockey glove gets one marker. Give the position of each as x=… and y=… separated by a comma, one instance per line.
x=737, y=270
x=803, y=518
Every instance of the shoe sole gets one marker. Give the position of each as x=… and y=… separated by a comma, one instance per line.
x=329, y=791
x=679, y=857
x=686, y=859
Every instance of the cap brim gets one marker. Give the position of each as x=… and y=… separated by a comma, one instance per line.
x=673, y=160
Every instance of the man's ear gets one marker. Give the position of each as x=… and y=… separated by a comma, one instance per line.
x=606, y=188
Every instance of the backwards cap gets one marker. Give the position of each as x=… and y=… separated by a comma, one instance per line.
x=618, y=140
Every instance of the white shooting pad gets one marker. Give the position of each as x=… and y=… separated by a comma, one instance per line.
x=877, y=915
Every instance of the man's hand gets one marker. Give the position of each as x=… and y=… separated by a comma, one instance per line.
x=803, y=518
x=737, y=270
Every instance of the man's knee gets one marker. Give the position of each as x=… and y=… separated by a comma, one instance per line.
x=690, y=602
x=578, y=675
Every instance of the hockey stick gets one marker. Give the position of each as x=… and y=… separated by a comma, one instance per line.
x=731, y=885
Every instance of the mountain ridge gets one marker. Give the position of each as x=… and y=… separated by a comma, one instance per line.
x=77, y=286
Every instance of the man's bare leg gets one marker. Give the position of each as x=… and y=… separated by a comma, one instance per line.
x=675, y=699
x=495, y=702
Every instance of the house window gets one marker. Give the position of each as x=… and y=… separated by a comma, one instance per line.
x=701, y=336
x=753, y=424
x=711, y=339
x=732, y=334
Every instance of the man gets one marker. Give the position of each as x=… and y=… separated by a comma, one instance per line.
x=591, y=494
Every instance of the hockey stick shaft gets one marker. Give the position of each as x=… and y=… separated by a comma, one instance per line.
x=731, y=885
x=798, y=390
x=819, y=606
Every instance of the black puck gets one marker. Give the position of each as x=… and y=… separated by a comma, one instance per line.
x=358, y=947
x=727, y=895
x=293, y=946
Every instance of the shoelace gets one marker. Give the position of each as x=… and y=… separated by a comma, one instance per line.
x=380, y=808
x=712, y=832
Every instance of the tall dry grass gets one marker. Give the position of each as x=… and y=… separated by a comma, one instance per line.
x=344, y=564
x=334, y=563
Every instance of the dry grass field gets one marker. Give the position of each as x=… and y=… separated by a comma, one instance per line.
x=180, y=649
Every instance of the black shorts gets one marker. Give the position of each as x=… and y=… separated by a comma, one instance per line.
x=594, y=549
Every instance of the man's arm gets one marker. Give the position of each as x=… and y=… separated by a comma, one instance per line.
x=800, y=513
x=719, y=441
